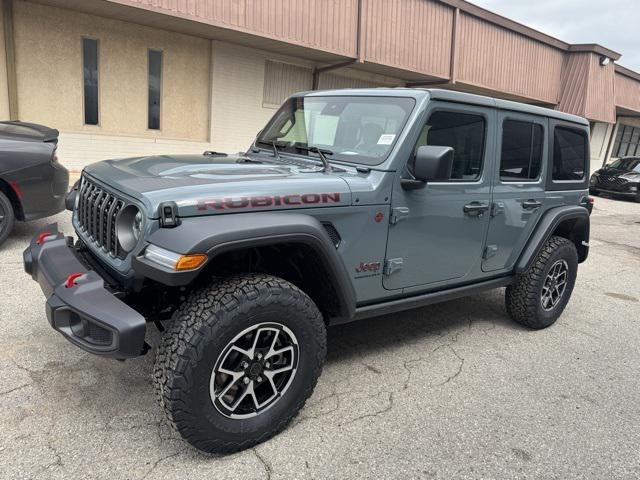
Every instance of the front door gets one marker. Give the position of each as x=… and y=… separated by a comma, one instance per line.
x=437, y=232
x=519, y=193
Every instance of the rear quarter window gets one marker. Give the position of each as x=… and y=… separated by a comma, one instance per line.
x=570, y=150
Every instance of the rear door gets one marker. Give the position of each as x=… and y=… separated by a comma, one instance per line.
x=519, y=188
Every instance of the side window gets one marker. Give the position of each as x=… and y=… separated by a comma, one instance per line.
x=90, y=80
x=155, y=84
x=521, y=154
x=465, y=133
x=570, y=149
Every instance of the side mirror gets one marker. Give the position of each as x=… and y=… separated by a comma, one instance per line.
x=432, y=164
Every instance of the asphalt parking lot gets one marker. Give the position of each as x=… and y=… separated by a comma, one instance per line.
x=454, y=390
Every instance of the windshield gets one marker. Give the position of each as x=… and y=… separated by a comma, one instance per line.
x=628, y=164
x=355, y=129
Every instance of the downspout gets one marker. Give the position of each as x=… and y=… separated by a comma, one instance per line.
x=317, y=71
x=10, y=56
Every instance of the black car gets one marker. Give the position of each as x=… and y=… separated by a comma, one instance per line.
x=621, y=177
x=32, y=183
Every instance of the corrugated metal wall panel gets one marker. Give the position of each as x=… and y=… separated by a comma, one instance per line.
x=600, y=91
x=330, y=81
x=283, y=79
x=575, y=74
x=411, y=35
x=329, y=25
x=627, y=92
x=493, y=57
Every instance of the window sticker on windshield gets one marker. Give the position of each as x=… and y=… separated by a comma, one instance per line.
x=386, y=139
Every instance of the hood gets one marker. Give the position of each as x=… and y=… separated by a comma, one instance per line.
x=216, y=184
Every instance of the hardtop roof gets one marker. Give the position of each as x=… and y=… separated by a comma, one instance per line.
x=450, y=96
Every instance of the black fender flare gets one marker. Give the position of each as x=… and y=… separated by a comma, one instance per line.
x=548, y=224
x=217, y=234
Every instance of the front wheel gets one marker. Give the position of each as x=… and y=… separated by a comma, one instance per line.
x=239, y=361
x=539, y=296
x=7, y=217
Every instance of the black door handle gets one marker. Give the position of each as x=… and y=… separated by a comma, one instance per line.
x=475, y=208
x=531, y=204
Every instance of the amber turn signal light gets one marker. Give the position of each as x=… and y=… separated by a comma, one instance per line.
x=190, y=262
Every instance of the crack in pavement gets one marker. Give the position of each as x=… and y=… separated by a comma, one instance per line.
x=162, y=459
x=266, y=465
x=630, y=248
x=574, y=329
x=424, y=359
x=322, y=414
x=375, y=414
x=15, y=388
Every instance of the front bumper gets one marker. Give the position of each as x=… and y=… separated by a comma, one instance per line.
x=621, y=193
x=83, y=310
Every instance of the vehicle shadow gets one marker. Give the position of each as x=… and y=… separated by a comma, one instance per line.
x=24, y=231
x=369, y=336
x=616, y=198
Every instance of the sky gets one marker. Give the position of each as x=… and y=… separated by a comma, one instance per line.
x=614, y=24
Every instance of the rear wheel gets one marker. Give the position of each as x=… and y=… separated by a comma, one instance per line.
x=7, y=217
x=539, y=296
x=239, y=361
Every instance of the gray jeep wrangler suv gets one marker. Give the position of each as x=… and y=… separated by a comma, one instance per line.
x=349, y=204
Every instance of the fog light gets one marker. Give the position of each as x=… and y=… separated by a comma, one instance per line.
x=172, y=260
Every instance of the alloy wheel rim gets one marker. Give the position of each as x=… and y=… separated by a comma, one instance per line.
x=254, y=370
x=554, y=285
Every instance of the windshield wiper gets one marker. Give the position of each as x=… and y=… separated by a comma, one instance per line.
x=322, y=152
x=275, y=146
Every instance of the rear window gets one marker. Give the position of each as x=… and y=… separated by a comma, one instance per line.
x=521, y=154
x=570, y=149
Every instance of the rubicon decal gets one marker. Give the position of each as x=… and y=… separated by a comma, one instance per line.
x=262, y=201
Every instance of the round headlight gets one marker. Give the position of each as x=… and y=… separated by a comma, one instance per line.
x=129, y=227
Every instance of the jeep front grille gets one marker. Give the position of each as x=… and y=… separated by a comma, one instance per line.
x=97, y=212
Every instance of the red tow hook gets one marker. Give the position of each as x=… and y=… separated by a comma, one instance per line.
x=41, y=238
x=71, y=279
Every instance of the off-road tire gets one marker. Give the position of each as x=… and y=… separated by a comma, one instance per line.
x=202, y=327
x=523, y=298
x=6, y=224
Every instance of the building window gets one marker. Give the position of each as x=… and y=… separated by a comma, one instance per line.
x=463, y=132
x=569, y=154
x=90, y=77
x=155, y=84
x=283, y=79
x=627, y=142
x=521, y=154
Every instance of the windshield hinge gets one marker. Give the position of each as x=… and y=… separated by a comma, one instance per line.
x=397, y=214
x=168, y=214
